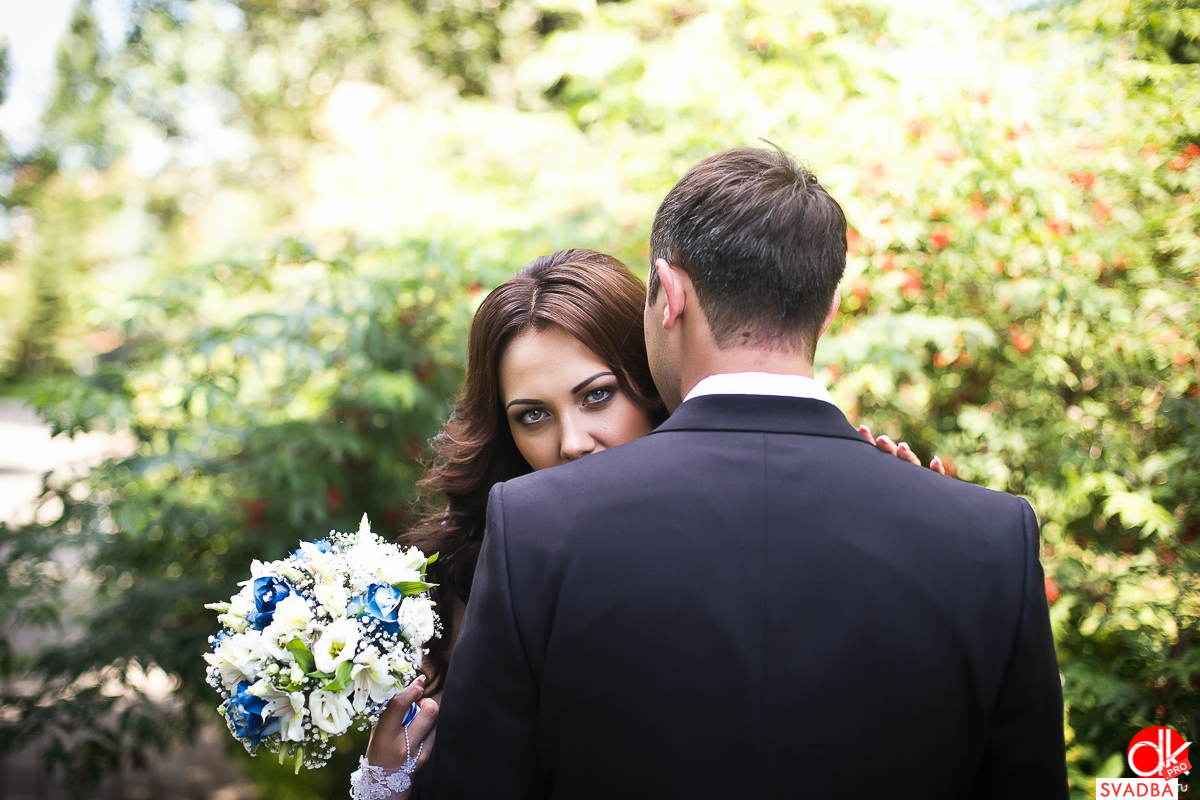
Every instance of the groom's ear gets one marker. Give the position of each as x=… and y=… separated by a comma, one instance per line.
x=673, y=284
x=833, y=309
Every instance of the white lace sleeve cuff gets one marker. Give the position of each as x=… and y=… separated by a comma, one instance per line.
x=378, y=783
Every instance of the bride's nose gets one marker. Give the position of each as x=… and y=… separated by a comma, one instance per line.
x=577, y=441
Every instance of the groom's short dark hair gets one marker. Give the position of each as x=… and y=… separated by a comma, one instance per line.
x=763, y=243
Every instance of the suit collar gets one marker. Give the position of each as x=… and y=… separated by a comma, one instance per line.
x=762, y=414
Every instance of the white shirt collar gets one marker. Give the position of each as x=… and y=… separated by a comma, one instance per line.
x=760, y=383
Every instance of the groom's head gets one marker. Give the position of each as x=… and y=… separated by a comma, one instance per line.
x=761, y=245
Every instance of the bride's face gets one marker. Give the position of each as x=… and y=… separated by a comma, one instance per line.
x=562, y=402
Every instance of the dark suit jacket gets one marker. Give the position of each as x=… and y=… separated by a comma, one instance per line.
x=752, y=601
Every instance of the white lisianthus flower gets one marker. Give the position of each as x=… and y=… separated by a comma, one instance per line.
x=241, y=603
x=291, y=574
x=333, y=597
x=400, y=663
x=331, y=712
x=338, y=643
x=288, y=707
x=260, y=570
x=235, y=623
x=373, y=679
x=238, y=658
x=416, y=619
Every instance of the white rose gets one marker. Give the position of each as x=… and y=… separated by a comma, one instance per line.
x=416, y=619
x=333, y=597
x=336, y=644
x=331, y=712
x=292, y=613
x=238, y=658
x=395, y=570
x=413, y=558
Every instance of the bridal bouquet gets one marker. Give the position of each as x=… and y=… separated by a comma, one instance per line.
x=320, y=640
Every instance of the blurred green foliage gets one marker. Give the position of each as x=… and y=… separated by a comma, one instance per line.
x=252, y=236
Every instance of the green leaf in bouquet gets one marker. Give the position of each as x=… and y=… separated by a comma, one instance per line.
x=342, y=679
x=325, y=676
x=407, y=588
x=302, y=655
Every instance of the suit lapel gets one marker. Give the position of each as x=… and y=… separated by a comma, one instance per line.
x=762, y=414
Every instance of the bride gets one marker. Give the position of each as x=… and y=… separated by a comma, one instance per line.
x=556, y=370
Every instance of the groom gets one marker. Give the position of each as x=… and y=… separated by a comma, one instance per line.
x=752, y=601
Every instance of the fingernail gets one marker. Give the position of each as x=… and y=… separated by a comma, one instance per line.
x=886, y=438
x=902, y=446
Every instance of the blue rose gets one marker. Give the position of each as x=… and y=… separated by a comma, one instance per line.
x=267, y=593
x=381, y=603
x=244, y=710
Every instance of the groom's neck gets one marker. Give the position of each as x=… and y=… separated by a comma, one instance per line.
x=743, y=359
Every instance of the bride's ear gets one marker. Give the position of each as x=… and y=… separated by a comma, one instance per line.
x=673, y=282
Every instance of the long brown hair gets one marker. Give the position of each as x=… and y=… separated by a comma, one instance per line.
x=591, y=296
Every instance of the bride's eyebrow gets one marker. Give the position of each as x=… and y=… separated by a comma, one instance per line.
x=584, y=383
x=524, y=401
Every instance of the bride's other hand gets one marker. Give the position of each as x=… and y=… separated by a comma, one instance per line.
x=385, y=772
x=901, y=450
x=387, y=747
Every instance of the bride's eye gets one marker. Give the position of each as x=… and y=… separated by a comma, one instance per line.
x=531, y=416
x=597, y=396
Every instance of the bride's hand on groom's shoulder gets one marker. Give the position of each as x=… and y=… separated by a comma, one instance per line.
x=389, y=747
x=901, y=450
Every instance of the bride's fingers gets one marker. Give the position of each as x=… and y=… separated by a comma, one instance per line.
x=386, y=748
x=905, y=452
x=885, y=444
x=428, y=750
x=422, y=726
x=937, y=466
x=866, y=433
